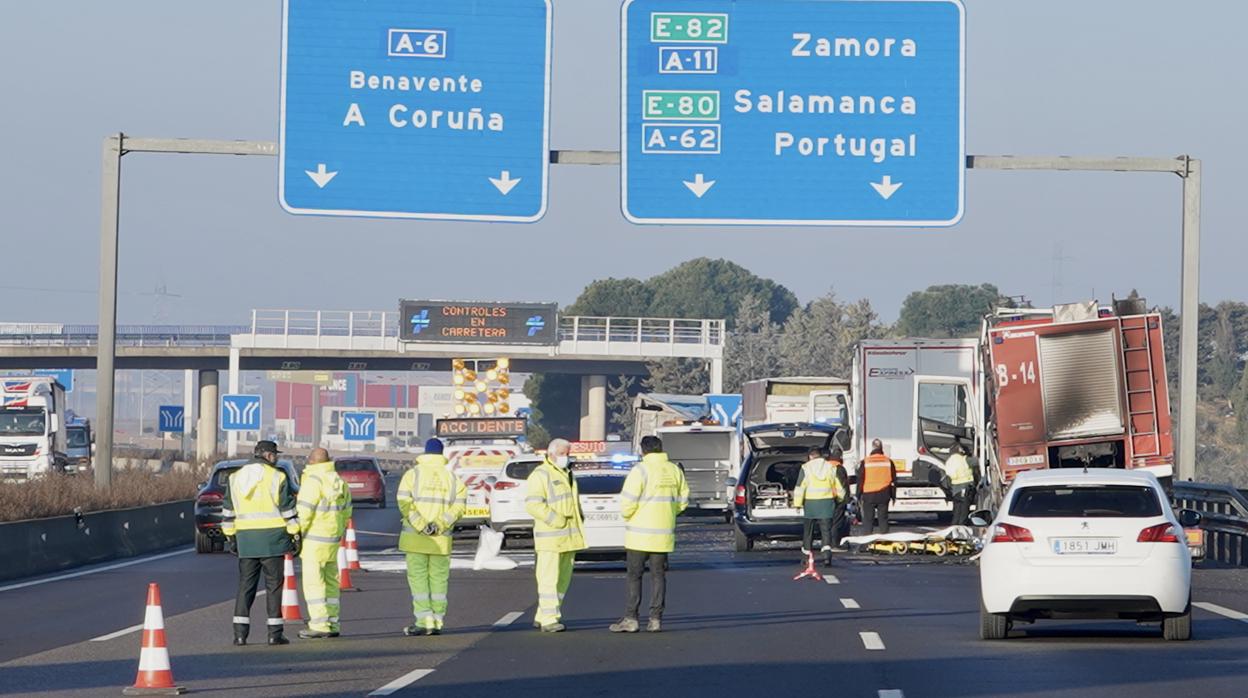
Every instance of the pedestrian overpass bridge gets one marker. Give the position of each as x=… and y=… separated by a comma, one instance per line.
x=331, y=340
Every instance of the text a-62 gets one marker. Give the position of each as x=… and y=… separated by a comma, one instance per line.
x=680, y=139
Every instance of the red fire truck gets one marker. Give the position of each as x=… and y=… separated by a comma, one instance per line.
x=1073, y=386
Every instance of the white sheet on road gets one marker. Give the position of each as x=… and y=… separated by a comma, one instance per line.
x=950, y=533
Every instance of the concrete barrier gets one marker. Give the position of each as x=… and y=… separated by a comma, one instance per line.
x=40, y=546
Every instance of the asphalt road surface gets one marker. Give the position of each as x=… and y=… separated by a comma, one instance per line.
x=737, y=624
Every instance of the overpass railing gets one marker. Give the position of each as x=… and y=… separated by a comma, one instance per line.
x=1224, y=510
x=50, y=334
x=577, y=334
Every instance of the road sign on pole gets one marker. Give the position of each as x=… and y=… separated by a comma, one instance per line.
x=359, y=426
x=64, y=376
x=240, y=412
x=725, y=408
x=172, y=419
x=793, y=112
x=415, y=109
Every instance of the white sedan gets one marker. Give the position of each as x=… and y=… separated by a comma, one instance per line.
x=1095, y=543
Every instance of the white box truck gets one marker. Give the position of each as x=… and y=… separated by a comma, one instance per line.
x=32, y=427
x=917, y=396
x=796, y=399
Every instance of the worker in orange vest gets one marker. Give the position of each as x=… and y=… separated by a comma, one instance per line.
x=877, y=485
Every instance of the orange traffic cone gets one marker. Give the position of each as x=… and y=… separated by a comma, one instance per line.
x=155, y=676
x=290, y=592
x=344, y=569
x=810, y=570
x=353, y=549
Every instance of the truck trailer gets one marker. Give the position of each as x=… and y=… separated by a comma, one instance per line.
x=32, y=427
x=796, y=399
x=917, y=396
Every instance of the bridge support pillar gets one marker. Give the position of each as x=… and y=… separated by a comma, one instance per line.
x=231, y=437
x=717, y=375
x=593, y=408
x=206, y=427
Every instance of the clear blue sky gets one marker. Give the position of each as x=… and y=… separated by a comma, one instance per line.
x=1120, y=77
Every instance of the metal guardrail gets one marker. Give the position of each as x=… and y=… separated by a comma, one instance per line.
x=49, y=334
x=1224, y=512
x=373, y=323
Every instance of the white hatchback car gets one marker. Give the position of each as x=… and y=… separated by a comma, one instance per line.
x=1096, y=543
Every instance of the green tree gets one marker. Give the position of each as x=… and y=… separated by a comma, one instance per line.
x=679, y=376
x=714, y=288
x=753, y=349
x=556, y=405
x=620, y=393
x=613, y=298
x=951, y=310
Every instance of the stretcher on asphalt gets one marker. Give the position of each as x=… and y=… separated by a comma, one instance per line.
x=954, y=540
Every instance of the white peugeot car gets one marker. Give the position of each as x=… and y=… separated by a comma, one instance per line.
x=1095, y=543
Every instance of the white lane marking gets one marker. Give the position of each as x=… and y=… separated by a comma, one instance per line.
x=72, y=575
x=403, y=681
x=1222, y=611
x=119, y=633
x=891, y=693
x=871, y=641
x=850, y=603
x=508, y=619
x=831, y=579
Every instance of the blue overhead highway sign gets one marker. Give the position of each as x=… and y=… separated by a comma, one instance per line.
x=415, y=108
x=793, y=112
x=240, y=412
x=359, y=426
x=172, y=419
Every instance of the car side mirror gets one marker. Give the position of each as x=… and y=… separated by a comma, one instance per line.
x=1189, y=518
x=730, y=481
x=981, y=518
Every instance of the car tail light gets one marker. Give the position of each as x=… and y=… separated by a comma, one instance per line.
x=740, y=497
x=1161, y=533
x=506, y=485
x=1009, y=533
x=210, y=497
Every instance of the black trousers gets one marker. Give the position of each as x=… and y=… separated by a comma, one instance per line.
x=658, y=582
x=808, y=533
x=249, y=569
x=875, y=505
x=962, y=495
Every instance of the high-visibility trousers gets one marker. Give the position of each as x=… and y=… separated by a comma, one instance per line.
x=429, y=576
x=319, y=563
x=554, y=576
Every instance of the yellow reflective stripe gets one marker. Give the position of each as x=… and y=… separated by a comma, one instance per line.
x=650, y=531
x=561, y=533
x=322, y=539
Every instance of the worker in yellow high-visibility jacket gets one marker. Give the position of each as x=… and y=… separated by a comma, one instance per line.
x=558, y=531
x=431, y=499
x=821, y=493
x=654, y=493
x=324, y=506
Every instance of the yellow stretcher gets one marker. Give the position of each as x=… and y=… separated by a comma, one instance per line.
x=955, y=540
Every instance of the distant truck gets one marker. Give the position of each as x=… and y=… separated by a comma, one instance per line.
x=799, y=399
x=32, y=427
x=78, y=445
x=1072, y=386
x=708, y=452
x=917, y=396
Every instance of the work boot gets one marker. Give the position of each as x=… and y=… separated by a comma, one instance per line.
x=433, y=631
x=827, y=556
x=654, y=625
x=278, y=640
x=316, y=634
x=413, y=630
x=239, y=641
x=553, y=628
x=626, y=625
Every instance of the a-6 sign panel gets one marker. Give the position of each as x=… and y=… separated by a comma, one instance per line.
x=415, y=108
x=793, y=112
